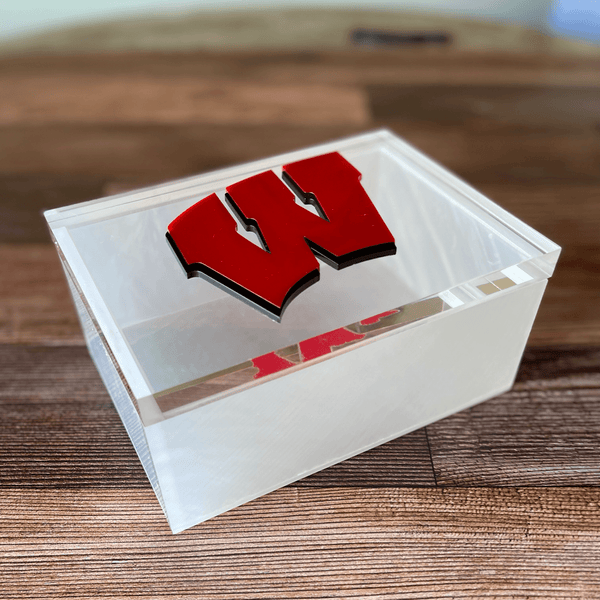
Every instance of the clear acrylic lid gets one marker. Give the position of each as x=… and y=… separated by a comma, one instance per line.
x=168, y=332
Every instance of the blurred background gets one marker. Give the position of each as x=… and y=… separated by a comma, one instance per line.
x=195, y=23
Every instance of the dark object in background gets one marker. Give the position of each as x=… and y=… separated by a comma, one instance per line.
x=378, y=37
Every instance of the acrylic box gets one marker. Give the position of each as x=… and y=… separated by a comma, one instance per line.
x=224, y=405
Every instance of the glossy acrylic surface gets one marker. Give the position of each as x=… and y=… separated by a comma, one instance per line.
x=179, y=330
x=223, y=404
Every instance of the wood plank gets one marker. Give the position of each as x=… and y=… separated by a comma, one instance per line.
x=67, y=445
x=520, y=109
x=493, y=133
x=47, y=375
x=110, y=98
x=54, y=395
x=148, y=153
x=513, y=139
x=151, y=153
x=35, y=303
x=305, y=543
x=25, y=197
x=570, y=216
x=506, y=158
x=545, y=431
x=342, y=67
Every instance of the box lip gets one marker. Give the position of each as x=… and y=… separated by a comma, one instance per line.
x=468, y=194
x=55, y=215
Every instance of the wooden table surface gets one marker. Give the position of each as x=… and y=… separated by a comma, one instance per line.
x=501, y=500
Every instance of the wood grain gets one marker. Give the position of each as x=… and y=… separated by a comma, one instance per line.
x=97, y=98
x=146, y=153
x=35, y=303
x=320, y=66
x=306, y=543
x=545, y=431
x=24, y=198
x=530, y=108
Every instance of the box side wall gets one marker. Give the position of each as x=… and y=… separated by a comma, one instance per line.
x=115, y=386
x=232, y=451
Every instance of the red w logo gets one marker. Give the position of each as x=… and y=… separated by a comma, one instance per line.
x=349, y=230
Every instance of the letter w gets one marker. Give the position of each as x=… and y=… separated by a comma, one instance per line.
x=349, y=230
